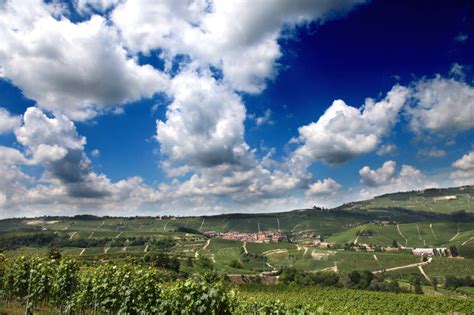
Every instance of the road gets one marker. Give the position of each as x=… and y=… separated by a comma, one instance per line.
x=245, y=247
x=405, y=266
x=401, y=234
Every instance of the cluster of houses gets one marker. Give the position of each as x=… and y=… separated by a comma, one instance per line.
x=440, y=251
x=259, y=237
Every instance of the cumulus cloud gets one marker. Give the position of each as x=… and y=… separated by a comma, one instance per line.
x=204, y=123
x=75, y=68
x=13, y=179
x=205, y=30
x=55, y=144
x=11, y=156
x=344, y=132
x=378, y=177
x=442, y=105
x=325, y=187
x=8, y=122
x=68, y=184
x=463, y=170
x=386, y=179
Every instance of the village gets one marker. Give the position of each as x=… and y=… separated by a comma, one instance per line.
x=259, y=237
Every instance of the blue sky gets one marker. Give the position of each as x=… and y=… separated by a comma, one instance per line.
x=130, y=107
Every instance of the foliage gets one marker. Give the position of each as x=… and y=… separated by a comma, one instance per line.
x=453, y=282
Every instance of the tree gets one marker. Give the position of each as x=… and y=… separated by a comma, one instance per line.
x=453, y=250
x=434, y=283
x=54, y=253
x=395, y=244
x=236, y=264
x=204, y=263
x=189, y=262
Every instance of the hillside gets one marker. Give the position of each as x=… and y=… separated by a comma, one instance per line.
x=379, y=222
x=437, y=200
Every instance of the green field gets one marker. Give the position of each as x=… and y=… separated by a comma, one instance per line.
x=414, y=219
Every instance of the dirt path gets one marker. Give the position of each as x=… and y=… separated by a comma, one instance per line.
x=275, y=251
x=82, y=252
x=423, y=273
x=433, y=232
x=268, y=264
x=356, y=240
x=305, y=251
x=72, y=235
x=225, y=225
x=464, y=243
x=207, y=244
x=146, y=248
x=164, y=228
x=118, y=235
x=401, y=234
x=202, y=224
x=124, y=249
x=405, y=266
x=106, y=249
x=418, y=229
x=333, y=268
x=455, y=236
x=375, y=257
x=245, y=247
x=278, y=224
x=90, y=235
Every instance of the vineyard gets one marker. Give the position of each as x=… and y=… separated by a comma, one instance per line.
x=66, y=286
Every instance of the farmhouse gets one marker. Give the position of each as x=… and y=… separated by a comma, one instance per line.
x=438, y=251
x=445, y=198
x=423, y=251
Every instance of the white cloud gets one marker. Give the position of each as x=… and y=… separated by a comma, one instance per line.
x=10, y=156
x=95, y=153
x=463, y=170
x=204, y=124
x=386, y=180
x=8, y=122
x=442, y=105
x=381, y=176
x=432, y=152
x=206, y=31
x=344, y=132
x=325, y=187
x=265, y=119
x=387, y=149
x=76, y=68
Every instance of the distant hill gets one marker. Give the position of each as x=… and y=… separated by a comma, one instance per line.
x=447, y=201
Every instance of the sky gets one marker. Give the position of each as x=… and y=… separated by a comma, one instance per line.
x=198, y=107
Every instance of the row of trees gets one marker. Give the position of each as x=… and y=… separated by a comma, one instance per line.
x=54, y=240
x=127, y=289
x=362, y=280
